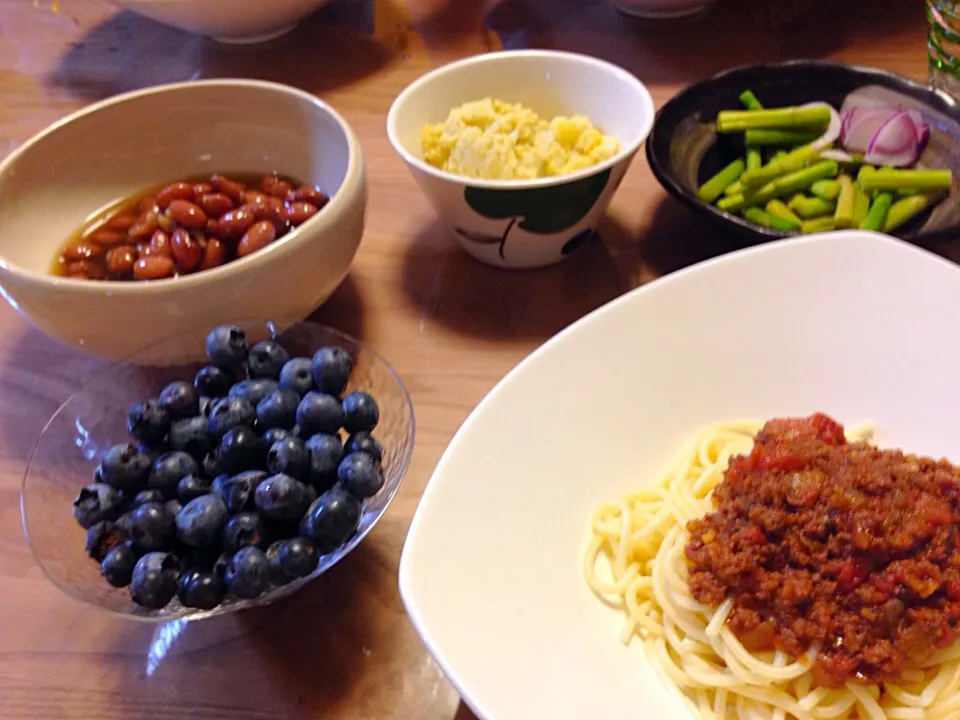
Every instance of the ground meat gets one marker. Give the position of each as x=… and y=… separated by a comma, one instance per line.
x=822, y=541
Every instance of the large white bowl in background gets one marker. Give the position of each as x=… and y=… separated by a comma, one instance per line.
x=141, y=139
x=551, y=83
x=855, y=324
x=661, y=9
x=231, y=21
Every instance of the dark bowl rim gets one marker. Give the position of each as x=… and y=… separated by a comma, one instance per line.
x=660, y=166
x=190, y=614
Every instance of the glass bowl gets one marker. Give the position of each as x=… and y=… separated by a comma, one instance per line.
x=89, y=422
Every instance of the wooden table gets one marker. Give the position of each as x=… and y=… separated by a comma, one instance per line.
x=343, y=648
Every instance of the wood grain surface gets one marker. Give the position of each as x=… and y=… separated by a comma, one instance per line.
x=343, y=647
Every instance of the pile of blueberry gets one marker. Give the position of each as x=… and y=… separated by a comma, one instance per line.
x=234, y=486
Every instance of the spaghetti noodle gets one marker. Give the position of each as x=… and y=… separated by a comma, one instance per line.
x=636, y=560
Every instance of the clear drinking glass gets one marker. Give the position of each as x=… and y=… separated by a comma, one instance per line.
x=943, y=44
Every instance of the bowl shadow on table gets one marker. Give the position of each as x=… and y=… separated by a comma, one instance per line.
x=128, y=52
x=344, y=310
x=449, y=287
x=682, y=50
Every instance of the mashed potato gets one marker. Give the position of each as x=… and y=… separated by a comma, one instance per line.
x=496, y=140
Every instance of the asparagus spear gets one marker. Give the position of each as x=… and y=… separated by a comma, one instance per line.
x=714, y=187
x=779, y=209
x=786, y=185
x=843, y=215
x=791, y=162
x=808, y=208
x=754, y=158
x=906, y=209
x=826, y=189
x=861, y=205
x=779, y=137
x=734, y=188
x=821, y=224
x=816, y=117
x=777, y=155
x=923, y=180
x=749, y=100
x=758, y=216
x=877, y=214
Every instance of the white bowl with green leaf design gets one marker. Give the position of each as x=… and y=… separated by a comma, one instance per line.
x=524, y=223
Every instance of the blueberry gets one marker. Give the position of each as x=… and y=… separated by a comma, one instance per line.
x=277, y=576
x=191, y=487
x=360, y=474
x=266, y=359
x=271, y=435
x=240, y=449
x=363, y=441
x=96, y=502
x=289, y=456
x=173, y=506
x=124, y=467
x=190, y=435
x=297, y=375
x=147, y=496
x=253, y=391
x=331, y=519
x=326, y=452
x=278, y=409
x=311, y=493
x=148, y=422
x=180, y=399
x=247, y=573
x=201, y=589
x=319, y=413
x=243, y=529
x=298, y=557
x=281, y=497
x=213, y=381
x=229, y=413
x=237, y=491
x=360, y=411
x=226, y=346
x=201, y=521
x=205, y=404
x=102, y=538
x=169, y=469
x=152, y=527
x=210, y=467
x=154, y=580
x=117, y=565
x=331, y=367
x=125, y=523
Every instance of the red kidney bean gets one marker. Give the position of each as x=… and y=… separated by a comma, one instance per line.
x=307, y=193
x=273, y=185
x=187, y=252
x=215, y=204
x=231, y=189
x=214, y=254
x=299, y=212
x=188, y=214
x=159, y=245
x=146, y=205
x=144, y=227
x=271, y=209
x=86, y=270
x=212, y=228
x=174, y=191
x=202, y=189
x=107, y=237
x=153, y=267
x=82, y=251
x=236, y=222
x=254, y=197
x=261, y=234
x=123, y=221
x=120, y=260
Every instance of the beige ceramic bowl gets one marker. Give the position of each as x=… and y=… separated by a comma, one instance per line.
x=231, y=21
x=138, y=140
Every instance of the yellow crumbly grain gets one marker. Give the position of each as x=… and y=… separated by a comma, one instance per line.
x=496, y=140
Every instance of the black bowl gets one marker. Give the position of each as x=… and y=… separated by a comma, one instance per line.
x=684, y=150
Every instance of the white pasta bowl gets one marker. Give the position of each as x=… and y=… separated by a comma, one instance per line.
x=854, y=324
x=524, y=223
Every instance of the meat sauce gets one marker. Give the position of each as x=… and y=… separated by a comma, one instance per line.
x=835, y=544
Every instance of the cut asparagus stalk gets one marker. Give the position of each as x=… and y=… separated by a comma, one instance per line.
x=734, y=188
x=815, y=117
x=871, y=180
x=791, y=162
x=843, y=215
x=749, y=100
x=821, y=224
x=826, y=189
x=779, y=209
x=714, y=187
x=814, y=207
x=785, y=185
x=861, y=205
x=776, y=155
x=779, y=137
x=877, y=215
x=754, y=158
x=758, y=216
x=906, y=209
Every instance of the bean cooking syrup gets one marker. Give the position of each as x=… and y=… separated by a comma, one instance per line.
x=187, y=226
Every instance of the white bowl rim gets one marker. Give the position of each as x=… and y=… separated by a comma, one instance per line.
x=336, y=201
x=626, y=149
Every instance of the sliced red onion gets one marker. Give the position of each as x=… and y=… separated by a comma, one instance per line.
x=839, y=156
x=885, y=135
x=832, y=132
